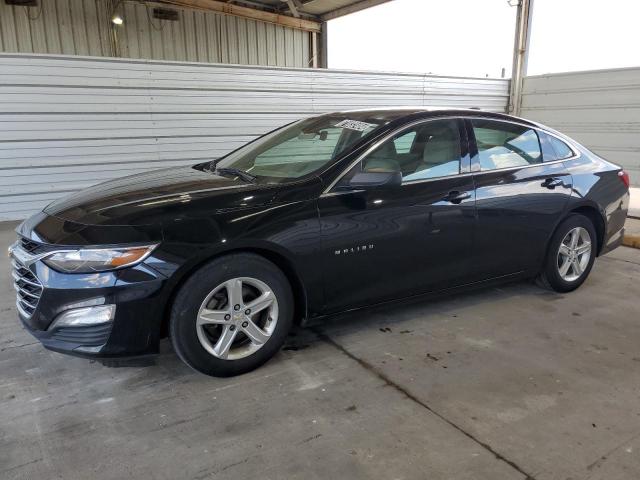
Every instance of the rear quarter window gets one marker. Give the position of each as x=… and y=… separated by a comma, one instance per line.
x=553, y=148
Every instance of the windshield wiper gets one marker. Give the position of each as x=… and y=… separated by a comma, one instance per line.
x=246, y=176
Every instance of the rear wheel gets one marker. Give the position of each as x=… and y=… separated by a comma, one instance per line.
x=571, y=254
x=232, y=315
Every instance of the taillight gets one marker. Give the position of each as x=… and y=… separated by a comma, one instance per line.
x=624, y=176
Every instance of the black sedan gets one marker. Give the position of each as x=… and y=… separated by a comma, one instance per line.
x=328, y=214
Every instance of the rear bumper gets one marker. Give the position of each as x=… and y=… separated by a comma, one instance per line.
x=613, y=242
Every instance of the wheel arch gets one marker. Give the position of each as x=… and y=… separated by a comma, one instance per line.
x=278, y=259
x=593, y=213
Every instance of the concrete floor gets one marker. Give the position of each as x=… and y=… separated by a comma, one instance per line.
x=504, y=383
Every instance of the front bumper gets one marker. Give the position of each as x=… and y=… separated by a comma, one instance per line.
x=134, y=328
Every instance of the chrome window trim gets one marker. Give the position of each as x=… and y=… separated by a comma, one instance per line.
x=327, y=191
x=537, y=129
x=431, y=179
x=506, y=169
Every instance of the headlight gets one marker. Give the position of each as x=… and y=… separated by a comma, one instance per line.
x=89, y=260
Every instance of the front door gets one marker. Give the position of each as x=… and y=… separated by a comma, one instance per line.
x=522, y=192
x=381, y=243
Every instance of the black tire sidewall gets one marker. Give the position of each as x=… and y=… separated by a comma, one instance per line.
x=182, y=324
x=550, y=272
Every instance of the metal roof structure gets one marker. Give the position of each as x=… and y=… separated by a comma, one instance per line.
x=319, y=10
x=309, y=15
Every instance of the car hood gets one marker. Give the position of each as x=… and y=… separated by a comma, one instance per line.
x=149, y=198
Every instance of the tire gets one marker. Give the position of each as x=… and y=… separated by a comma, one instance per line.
x=204, y=315
x=552, y=276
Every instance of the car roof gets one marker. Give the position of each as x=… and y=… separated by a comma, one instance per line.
x=412, y=113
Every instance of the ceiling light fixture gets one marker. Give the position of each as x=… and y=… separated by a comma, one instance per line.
x=117, y=20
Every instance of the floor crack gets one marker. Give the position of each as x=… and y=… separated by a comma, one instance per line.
x=18, y=346
x=382, y=376
x=603, y=458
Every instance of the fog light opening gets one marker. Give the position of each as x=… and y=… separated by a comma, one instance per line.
x=82, y=317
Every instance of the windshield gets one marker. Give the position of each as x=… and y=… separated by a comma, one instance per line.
x=302, y=148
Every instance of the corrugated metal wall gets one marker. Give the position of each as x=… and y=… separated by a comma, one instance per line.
x=600, y=109
x=69, y=122
x=209, y=37
x=73, y=27
x=83, y=27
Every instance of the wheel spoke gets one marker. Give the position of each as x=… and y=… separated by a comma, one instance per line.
x=564, y=268
x=584, y=248
x=564, y=250
x=255, y=333
x=577, y=269
x=212, y=317
x=234, y=291
x=575, y=235
x=263, y=301
x=222, y=346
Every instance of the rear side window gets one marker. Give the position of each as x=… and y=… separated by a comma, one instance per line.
x=554, y=148
x=505, y=145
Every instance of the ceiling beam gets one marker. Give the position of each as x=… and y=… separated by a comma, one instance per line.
x=245, y=12
x=293, y=8
x=356, y=7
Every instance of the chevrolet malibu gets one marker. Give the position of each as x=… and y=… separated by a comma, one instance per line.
x=325, y=215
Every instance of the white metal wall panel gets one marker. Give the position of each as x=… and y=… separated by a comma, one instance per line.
x=600, y=109
x=69, y=122
x=83, y=27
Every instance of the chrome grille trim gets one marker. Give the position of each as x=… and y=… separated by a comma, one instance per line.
x=17, y=277
x=28, y=287
x=29, y=246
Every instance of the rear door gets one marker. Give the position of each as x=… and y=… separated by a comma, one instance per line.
x=520, y=197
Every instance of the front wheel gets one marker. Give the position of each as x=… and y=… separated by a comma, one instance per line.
x=232, y=315
x=571, y=254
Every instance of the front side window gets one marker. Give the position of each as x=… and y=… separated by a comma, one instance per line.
x=505, y=145
x=428, y=150
x=404, y=142
x=302, y=148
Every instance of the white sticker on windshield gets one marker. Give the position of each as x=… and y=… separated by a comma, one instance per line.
x=355, y=125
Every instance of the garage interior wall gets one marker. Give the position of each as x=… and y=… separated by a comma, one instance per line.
x=83, y=27
x=600, y=109
x=70, y=122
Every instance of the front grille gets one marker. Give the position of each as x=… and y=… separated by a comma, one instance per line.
x=31, y=246
x=28, y=288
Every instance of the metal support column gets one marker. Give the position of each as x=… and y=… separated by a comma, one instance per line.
x=323, y=63
x=520, y=54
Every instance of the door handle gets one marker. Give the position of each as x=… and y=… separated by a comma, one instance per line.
x=456, y=197
x=552, y=182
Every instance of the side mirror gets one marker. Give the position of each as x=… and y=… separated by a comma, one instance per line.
x=376, y=179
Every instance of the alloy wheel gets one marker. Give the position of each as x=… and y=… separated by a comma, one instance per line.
x=574, y=254
x=237, y=318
